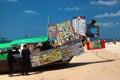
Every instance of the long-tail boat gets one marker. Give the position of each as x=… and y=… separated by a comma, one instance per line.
x=40, y=56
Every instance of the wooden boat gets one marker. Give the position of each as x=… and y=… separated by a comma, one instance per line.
x=47, y=57
x=18, y=65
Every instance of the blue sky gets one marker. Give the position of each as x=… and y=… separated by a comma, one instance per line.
x=30, y=17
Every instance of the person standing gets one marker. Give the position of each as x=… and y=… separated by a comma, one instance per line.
x=11, y=60
x=25, y=60
x=114, y=41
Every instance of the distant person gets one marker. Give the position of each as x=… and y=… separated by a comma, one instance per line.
x=46, y=45
x=114, y=41
x=39, y=46
x=25, y=60
x=11, y=60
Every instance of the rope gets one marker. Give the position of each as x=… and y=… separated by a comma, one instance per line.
x=96, y=53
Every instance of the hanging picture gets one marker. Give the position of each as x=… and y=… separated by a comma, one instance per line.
x=79, y=25
x=50, y=56
x=52, y=32
x=65, y=32
x=35, y=60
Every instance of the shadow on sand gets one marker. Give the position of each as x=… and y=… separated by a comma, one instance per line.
x=71, y=65
x=41, y=69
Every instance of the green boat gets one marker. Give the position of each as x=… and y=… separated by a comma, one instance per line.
x=46, y=55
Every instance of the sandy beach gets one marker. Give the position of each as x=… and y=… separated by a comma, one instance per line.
x=100, y=64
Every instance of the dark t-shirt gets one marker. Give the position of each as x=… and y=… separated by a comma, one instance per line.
x=26, y=55
x=11, y=59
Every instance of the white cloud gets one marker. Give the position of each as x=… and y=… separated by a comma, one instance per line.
x=30, y=12
x=110, y=24
x=38, y=27
x=118, y=23
x=10, y=0
x=70, y=9
x=108, y=15
x=107, y=3
x=60, y=8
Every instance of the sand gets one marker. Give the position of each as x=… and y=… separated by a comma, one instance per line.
x=100, y=64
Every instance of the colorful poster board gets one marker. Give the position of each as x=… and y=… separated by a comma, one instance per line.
x=35, y=60
x=45, y=57
x=52, y=32
x=65, y=32
x=50, y=56
x=63, y=53
x=66, y=52
x=96, y=44
x=79, y=25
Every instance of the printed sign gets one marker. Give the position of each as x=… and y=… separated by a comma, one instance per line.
x=52, y=32
x=79, y=26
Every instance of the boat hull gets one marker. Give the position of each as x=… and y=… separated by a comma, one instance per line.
x=18, y=65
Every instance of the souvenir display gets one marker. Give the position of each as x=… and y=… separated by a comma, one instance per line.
x=35, y=60
x=50, y=56
x=92, y=29
x=96, y=44
x=79, y=26
x=65, y=32
x=66, y=52
x=61, y=44
x=52, y=32
x=63, y=53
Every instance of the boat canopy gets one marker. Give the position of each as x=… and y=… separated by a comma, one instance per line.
x=5, y=45
x=29, y=40
x=23, y=41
